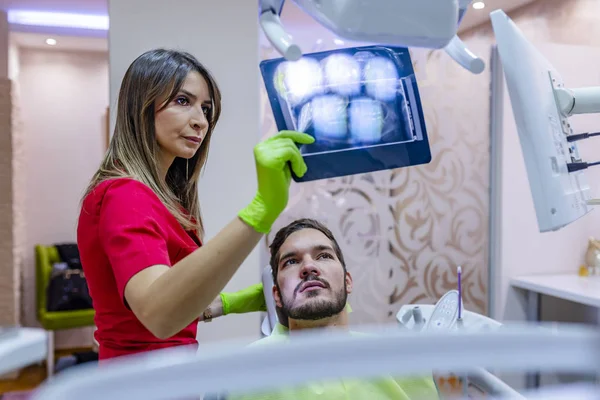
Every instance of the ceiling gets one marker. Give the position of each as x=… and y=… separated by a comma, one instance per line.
x=64, y=42
x=477, y=17
x=97, y=7
x=294, y=19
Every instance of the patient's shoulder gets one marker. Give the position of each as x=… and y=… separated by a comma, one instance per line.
x=280, y=335
x=269, y=340
x=361, y=334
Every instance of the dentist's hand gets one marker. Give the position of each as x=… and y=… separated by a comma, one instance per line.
x=251, y=299
x=273, y=158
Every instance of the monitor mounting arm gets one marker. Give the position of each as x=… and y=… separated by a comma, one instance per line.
x=578, y=101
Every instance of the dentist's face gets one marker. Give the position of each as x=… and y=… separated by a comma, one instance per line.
x=312, y=283
x=181, y=125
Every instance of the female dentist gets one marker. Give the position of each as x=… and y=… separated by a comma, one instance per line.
x=140, y=231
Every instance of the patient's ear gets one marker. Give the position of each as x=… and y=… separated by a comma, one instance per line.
x=277, y=296
x=348, y=283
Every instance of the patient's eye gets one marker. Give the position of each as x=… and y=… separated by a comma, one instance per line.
x=325, y=255
x=288, y=262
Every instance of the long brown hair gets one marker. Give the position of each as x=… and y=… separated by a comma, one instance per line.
x=133, y=149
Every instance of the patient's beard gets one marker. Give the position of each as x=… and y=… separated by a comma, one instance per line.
x=317, y=308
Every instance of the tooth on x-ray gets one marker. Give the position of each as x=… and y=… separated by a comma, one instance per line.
x=342, y=74
x=305, y=118
x=381, y=79
x=329, y=117
x=366, y=120
x=298, y=80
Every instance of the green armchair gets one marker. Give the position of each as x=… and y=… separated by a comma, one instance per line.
x=45, y=257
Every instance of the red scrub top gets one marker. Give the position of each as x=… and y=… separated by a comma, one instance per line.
x=124, y=228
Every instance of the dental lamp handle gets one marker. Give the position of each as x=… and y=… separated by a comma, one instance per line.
x=279, y=38
x=579, y=101
x=459, y=52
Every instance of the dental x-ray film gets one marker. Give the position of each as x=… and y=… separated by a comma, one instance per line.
x=361, y=104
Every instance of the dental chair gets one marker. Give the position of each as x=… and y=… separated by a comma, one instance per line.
x=183, y=373
x=419, y=316
x=444, y=315
x=272, y=317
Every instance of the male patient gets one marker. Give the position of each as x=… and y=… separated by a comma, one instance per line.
x=311, y=289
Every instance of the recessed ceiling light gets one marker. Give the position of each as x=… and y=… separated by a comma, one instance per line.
x=51, y=42
x=478, y=5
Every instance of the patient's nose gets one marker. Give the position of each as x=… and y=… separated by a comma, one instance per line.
x=309, y=267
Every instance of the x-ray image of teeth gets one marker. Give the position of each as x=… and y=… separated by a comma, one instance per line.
x=361, y=104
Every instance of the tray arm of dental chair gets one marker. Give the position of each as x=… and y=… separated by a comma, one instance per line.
x=492, y=385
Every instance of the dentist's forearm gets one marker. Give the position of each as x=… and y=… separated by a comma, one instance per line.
x=215, y=308
x=182, y=293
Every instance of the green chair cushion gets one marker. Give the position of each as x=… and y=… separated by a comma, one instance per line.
x=58, y=320
x=45, y=256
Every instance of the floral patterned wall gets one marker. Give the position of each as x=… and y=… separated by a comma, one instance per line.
x=405, y=231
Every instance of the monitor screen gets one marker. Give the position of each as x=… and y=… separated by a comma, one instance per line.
x=559, y=197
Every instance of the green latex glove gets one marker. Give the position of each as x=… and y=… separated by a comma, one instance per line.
x=273, y=158
x=251, y=299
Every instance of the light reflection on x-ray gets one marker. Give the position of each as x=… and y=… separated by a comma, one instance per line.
x=346, y=102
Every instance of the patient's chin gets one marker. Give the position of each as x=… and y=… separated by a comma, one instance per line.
x=312, y=293
x=315, y=308
x=312, y=312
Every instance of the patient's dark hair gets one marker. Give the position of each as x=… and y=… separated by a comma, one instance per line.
x=295, y=226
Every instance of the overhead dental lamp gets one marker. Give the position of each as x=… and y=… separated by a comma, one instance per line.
x=542, y=106
x=429, y=24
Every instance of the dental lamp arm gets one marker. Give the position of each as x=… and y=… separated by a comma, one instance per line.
x=271, y=5
x=579, y=101
x=459, y=52
x=279, y=38
x=274, y=30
